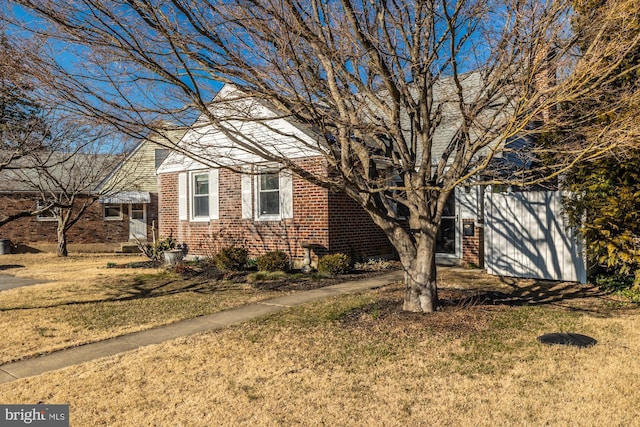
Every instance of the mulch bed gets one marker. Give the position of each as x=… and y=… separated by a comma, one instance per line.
x=292, y=282
x=310, y=282
x=460, y=313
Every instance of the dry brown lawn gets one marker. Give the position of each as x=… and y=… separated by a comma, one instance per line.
x=358, y=360
x=84, y=301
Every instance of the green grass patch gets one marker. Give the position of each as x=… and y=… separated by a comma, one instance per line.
x=261, y=276
x=322, y=313
x=511, y=336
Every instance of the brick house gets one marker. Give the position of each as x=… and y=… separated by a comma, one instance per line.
x=74, y=178
x=122, y=197
x=266, y=210
x=222, y=194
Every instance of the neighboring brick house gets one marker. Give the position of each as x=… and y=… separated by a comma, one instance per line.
x=222, y=195
x=39, y=233
x=68, y=177
x=124, y=203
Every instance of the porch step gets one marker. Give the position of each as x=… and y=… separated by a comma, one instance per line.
x=129, y=248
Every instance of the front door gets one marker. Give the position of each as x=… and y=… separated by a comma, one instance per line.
x=137, y=221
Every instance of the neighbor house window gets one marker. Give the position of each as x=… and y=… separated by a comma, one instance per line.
x=200, y=201
x=112, y=211
x=269, y=193
x=47, y=215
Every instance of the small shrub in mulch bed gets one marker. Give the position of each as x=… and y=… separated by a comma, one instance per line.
x=232, y=258
x=273, y=261
x=334, y=264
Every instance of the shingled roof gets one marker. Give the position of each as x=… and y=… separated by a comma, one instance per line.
x=53, y=171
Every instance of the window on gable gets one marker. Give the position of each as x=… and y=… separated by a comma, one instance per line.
x=200, y=194
x=112, y=211
x=269, y=192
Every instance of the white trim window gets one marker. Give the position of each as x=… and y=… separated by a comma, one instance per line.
x=268, y=193
x=200, y=196
x=48, y=215
x=112, y=212
x=272, y=195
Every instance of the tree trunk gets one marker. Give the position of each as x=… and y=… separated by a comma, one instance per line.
x=62, y=242
x=421, y=294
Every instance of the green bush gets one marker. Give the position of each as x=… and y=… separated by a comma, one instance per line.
x=613, y=281
x=334, y=264
x=273, y=261
x=260, y=276
x=232, y=258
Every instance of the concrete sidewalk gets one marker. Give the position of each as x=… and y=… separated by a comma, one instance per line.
x=84, y=353
x=8, y=281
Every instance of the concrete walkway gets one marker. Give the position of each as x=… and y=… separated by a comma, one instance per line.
x=84, y=353
x=7, y=281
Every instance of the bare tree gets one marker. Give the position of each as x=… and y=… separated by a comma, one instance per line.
x=410, y=98
x=44, y=149
x=66, y=180
x=23, y=128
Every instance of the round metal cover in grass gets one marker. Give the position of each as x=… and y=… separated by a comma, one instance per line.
x=567, y=338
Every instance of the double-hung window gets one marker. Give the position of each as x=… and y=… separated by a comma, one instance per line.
x=269, y=193
x=200, y=193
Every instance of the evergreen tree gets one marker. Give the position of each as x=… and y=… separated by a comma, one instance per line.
x=605, y=193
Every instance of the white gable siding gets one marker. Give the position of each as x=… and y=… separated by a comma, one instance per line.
x=251, y=134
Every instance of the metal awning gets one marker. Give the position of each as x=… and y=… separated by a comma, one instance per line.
x=127, y=197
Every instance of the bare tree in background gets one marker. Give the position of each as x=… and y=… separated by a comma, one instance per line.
x=45, y=150
x=65, y=178
x=424, y=92
x=22, y=126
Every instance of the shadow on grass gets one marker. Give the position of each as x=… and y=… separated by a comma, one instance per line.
x=144, y=288
x=10, y=266
x=520, y=292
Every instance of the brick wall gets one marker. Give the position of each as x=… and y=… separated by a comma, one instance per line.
x=91, y=228
x=473, y=246
x=352, y=231
x=316, y=213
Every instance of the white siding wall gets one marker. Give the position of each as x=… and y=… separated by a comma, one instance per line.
x=526, y=235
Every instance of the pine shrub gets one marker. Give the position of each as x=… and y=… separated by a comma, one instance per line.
x=334, y=264
x=232, y=258
x=273, y=261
